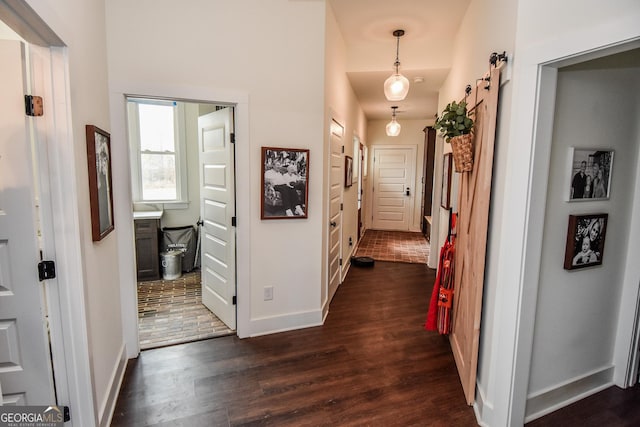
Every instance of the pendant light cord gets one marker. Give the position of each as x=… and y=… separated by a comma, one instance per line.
x=397, y=63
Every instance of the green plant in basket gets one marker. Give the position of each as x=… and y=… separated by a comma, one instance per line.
x=454, y=121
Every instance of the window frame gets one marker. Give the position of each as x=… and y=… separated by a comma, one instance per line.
x=180, y=152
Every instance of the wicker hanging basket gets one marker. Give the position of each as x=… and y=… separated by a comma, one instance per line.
x=462, y=147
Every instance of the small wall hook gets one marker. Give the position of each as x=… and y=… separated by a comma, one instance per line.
x=494, y=58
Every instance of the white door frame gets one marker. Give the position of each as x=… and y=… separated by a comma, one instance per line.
x=60, y=224
x=124, y=211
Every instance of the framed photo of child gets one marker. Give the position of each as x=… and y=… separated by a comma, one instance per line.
x=585, y=241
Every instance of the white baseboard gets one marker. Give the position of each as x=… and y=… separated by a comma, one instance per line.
x=286, y=322
x=108, y=406
x=553, y=398
x=482, y=409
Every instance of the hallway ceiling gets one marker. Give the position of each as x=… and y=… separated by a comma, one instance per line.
x=425, y=50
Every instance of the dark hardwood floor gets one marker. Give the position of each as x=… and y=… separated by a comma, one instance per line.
x=372, y=363
x=613, y=407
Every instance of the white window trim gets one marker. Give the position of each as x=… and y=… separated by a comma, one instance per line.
x=182, y=196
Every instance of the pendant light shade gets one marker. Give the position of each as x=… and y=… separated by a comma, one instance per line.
x=393, y=127
x=396, y=86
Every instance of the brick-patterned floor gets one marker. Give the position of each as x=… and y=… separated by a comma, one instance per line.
x=396, y=246
x=171, y=312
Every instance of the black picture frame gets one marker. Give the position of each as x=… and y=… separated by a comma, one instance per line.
x=348, y=171
x=285, y=181
x=100, y=183
x=585, y=241
x=445, y=194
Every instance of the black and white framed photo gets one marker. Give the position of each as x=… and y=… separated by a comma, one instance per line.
x=590, y=174
x=348, y=171
x=585, y=241
x=445, y=194
x=100, y=194
x=285, y=180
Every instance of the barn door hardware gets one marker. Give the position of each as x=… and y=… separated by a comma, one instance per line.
x=494, y=58
x=33, y=105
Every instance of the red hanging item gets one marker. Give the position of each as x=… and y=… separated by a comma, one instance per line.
x=432, y=314
x=445, y=297
x=439, y=314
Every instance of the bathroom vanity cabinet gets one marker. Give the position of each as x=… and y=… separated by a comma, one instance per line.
x=147, y=230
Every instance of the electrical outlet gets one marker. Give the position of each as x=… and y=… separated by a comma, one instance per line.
x=268, y=293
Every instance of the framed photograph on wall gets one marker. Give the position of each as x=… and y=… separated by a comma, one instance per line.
x=348, y=171
x=445, y=194
x=285, y=180
x=585, y=241
x=591, y=171
x=100, y=187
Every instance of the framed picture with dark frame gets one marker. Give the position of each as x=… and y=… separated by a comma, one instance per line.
x=100, y=186
x=445, y=195
x=348, y=171
x=285, y=180
x=590, y=174
x=585, y=241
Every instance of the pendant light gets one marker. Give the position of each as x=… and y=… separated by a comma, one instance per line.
x=393, y=127
x=396, y=87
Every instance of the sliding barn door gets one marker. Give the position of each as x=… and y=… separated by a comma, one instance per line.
x=471, y=241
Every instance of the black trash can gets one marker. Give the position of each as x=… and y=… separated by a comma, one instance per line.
x=182, y=239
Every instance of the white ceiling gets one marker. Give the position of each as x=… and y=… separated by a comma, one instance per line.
x=425, y=50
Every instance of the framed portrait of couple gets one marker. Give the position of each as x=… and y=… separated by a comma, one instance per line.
x=285, y=180
x=590, y=177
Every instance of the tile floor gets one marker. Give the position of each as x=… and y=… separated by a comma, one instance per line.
x=171, y=312
x=395, y=246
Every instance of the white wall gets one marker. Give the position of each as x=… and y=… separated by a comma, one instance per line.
x=411, y=134
x=272, y=53
x=341, y=105
x=81, y=25
x=577, y=311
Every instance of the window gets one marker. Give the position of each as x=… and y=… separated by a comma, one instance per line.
x=156, y=135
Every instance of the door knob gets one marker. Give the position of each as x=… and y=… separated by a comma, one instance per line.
x=333, y=223
x=408, y=191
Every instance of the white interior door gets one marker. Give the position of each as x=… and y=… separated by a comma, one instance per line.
x=336, y=177
x=25, y=367
x=217, y=201
x=394, y=170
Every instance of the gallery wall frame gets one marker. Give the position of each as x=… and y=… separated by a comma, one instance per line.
x=285, y=181
x=100, y=183
x=445, y=194
x=348, y=171
x=585, y=240
x=590, y=174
